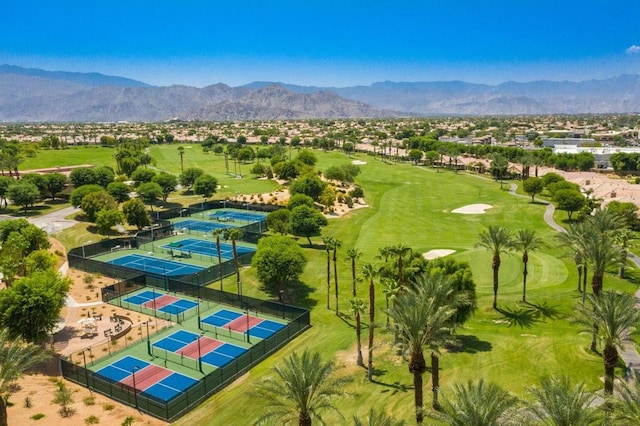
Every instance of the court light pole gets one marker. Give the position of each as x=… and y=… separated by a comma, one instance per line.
x=88, y=242
x=281, y=297
x=148, y=337
x=248, y=337
x=135, y=392
x=199, y=354
x=199, y=325
x=86, y=373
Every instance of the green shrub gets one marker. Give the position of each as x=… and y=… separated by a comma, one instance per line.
x=91, y=420
x=37, y=416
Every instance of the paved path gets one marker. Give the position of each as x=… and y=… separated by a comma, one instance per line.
x=629, y=354
x=55, y=221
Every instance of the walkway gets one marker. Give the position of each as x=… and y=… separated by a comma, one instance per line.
x=629, y=354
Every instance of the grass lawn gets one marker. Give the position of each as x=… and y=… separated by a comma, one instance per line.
x=412, y=205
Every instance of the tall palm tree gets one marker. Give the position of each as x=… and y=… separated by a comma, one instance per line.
x=556, y=402
x=442, y=290
x=424, y=323
x=302, y=389
x=527, y=241
x=600, y=252
x=328, y=246
x=477, y=404
x=400, y=252
x=616, y=317
x=625, y=405
x=377, y=418
x=235, y=234
x=353, y=254
x=336, y=245
x=16, y=356
x=181, y=153
x=624, y=240
x=217, y=233
x=358, y=307
x=573, y=239
x=369, y=272
x=391, y=289
x=498, y=240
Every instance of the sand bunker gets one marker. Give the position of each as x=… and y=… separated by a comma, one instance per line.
x=358, y=162
x=434, y=254
x=473, y=209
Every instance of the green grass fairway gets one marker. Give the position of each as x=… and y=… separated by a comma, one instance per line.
x=411, y=205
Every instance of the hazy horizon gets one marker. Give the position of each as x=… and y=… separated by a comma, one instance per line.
x=328, y=43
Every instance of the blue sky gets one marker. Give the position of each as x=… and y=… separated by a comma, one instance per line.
x=324, y=42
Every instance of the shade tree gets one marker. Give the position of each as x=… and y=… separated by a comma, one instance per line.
x=279, y=262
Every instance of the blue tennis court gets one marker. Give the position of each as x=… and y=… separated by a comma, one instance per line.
x=266, y=329
x=170, y=387
x=178, y=307
x=121, y=369
x=155, y=266
x=199, y=225
x=176, y=341
x=239, y=215
x=143, y=297
x=223, y=355
x=221, y=318
x=208, y=248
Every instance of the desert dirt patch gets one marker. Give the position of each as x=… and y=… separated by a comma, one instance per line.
x=38, y=386
x=473, y=209
x=434, y=254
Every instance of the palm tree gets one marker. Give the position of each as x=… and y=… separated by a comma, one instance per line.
x=624, y=239
x=217, y=233
x=391, y=289
x=353, y=254
x=625, y=405
x=369, y=272
x=477, y=404
x=302, y=389
x=358, y=307
x=400, y=252
x=498, y=240
x=336, y=245
x=328, y=246
x=181, y=153
x=235, y=234
x=377, y=418
x=526, y=241
x=558, y=403
x=424, y=323
x=600, y=252
x=16, y=356
x=616, y=317
x=573, y=238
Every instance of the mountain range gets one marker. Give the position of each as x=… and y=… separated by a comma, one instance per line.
x=33, y=95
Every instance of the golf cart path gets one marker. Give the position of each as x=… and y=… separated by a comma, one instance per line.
x=548, y=213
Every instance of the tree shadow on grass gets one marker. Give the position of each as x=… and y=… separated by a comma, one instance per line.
x=524, y=318
x=546, y=311
x=394, y=388
x=297, y=293
x=470, y=344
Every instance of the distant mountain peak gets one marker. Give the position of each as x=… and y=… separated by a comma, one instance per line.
x=88, y=79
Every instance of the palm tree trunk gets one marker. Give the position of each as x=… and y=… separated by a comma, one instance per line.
x=584, y=283
x=596, y=283
x=610, y=355
x=328, y=280
x=594, y=338
x=435, y=379
x=524, y=282
x=4, y=421
x=304, y=419
x=372, y=314
x=360, y=361
x=219, y=260
x=496, y=268
x=579, y=278
x=335, y=276
x=353, y=275
x=387, y=311
x=417, y=366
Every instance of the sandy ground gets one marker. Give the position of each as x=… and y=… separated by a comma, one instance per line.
x=434, y=254
x=39, y=387
x=472, y=209
x=281, y=197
